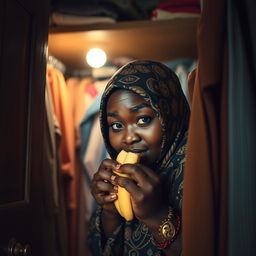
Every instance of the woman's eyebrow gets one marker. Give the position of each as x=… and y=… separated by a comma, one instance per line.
x=139, y=107
x=112, y=114
x=133, y=109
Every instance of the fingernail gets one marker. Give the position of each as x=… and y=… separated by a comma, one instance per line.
x=115, y=188
x=113, y=196
x=113, y=177
x=118, y=166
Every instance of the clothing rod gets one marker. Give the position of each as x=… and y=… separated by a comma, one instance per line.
x=56, y=63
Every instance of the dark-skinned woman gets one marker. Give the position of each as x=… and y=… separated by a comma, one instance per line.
x=144, y=111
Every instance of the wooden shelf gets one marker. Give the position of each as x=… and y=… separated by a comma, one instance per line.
x=157, y=40
x=178, y=22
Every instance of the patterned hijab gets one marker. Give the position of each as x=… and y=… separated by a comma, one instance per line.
x=160, y=87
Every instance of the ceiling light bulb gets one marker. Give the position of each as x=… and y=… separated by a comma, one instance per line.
x=96, y=57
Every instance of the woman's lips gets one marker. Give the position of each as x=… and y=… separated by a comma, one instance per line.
x=138, y=151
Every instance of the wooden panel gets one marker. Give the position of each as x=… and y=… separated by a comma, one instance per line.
x=23, y=48
x=15, y=103
x=157, y=40
x=1, y=27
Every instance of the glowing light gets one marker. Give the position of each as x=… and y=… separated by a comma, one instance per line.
x=96, y=57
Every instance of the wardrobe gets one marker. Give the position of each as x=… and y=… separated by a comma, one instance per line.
x=160, y=40
x=32, y=208
x=27, y=221
x=33, y=217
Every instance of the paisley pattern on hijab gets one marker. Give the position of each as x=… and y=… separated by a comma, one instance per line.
x=160, y=87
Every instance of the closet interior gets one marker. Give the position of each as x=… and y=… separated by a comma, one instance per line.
x=75, y=89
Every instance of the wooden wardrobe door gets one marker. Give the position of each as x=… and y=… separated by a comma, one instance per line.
x=23, y=49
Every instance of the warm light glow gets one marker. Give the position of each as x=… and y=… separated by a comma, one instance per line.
x=96, y=57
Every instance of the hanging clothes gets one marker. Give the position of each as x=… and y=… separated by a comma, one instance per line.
x=206, y=168
x=76, y=89
x=176, y=9
x=53, y=141
x=92, y=150
x=53, y=199
x=182, y=68
x=92, y=96
x=63, y=111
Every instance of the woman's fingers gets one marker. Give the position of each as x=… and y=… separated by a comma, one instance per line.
x=104, y=192
x=139, y=173
x=102, y=188
x=141, y=184
x=102, y=199
x=150, y=173
x=128, y=184
x=105, y=186
x=105, y=170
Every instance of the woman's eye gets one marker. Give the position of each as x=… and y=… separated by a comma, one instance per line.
x=144, y=120
x=116, y=126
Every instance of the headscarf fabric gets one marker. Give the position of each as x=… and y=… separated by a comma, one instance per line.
x=160, y=88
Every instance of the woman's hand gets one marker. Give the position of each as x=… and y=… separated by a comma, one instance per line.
x=146, y=189
x=102, y=189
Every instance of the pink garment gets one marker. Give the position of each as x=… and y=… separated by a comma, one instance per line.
x=173, y=6
x=176, y=9
x=92, y=91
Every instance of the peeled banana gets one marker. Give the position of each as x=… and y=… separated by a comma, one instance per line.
x=123, y=203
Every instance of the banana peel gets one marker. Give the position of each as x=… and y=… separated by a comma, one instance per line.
x=123, y=202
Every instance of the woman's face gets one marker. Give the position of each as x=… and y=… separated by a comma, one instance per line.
x=134, y=126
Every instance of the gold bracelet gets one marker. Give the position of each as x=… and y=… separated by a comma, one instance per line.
x=167, y=229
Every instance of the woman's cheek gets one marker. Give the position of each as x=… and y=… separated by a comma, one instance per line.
x=114, y=140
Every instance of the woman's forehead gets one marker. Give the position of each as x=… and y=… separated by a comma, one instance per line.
x=125, y=97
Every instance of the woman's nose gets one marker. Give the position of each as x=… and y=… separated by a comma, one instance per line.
x=131, y=136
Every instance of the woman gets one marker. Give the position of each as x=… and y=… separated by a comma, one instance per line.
x=143, y=110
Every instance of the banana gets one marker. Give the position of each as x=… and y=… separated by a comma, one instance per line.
x=123, y=203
